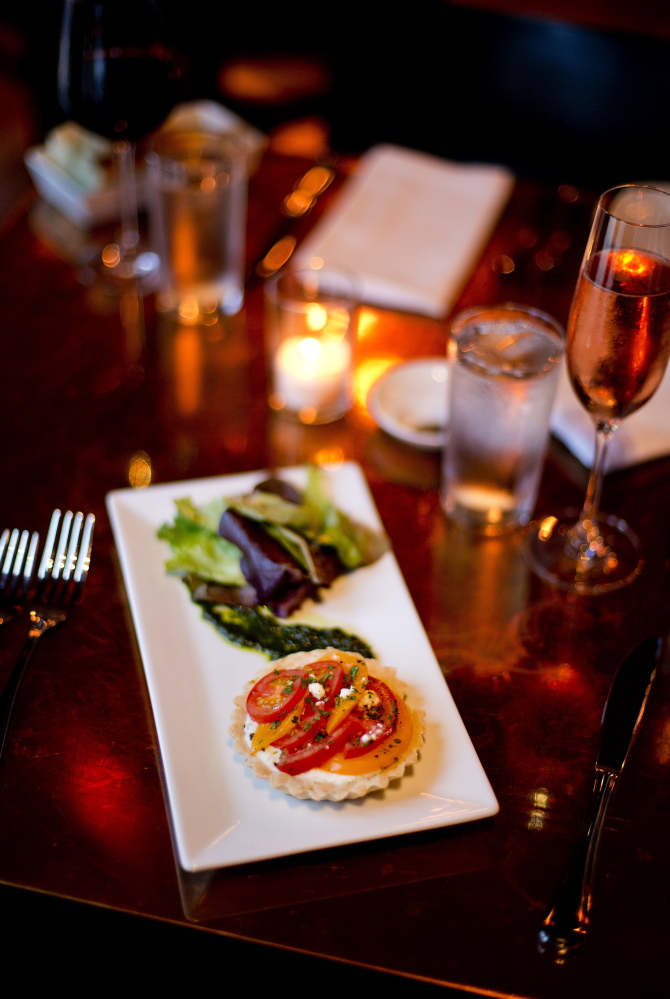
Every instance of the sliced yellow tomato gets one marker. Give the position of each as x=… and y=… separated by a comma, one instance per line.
x=382, y=756
x=356, y=676
x=269, y=732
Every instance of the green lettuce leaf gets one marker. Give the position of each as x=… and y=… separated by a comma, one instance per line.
x=317, y=519
x=197, y=547
x=355, y=543
x=271, y=509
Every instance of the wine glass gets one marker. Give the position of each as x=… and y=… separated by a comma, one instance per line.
x=118, y=78
x=618, y=343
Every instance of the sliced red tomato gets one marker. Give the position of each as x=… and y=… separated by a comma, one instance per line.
x=275, y=694
x=319, y=749
x=376, y=721
x=331, y=677
x=316, y=713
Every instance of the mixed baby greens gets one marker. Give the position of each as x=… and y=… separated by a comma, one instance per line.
x=249, y=560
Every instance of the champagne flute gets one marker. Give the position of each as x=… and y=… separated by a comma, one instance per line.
x=118, y=78
x=618, y=343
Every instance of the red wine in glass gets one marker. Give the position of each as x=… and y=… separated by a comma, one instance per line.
x=117, y=77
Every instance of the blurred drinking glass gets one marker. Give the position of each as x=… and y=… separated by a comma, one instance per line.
x=197, y=194
x=503, y=382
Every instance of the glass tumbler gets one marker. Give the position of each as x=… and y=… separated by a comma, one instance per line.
x=197, y=194
x=504, y=373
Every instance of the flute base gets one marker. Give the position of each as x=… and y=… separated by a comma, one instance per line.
x=109, y=266
x=581, y=557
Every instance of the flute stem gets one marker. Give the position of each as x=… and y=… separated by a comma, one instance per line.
x=595, y=486
x=125, y=155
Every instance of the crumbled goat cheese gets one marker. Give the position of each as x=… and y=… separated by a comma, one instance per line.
x=250, y=727
x=370, y=699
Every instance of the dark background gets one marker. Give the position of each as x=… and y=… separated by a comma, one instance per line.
x=566, y=91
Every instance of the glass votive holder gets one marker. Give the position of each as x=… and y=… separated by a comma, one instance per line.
x=310, y=337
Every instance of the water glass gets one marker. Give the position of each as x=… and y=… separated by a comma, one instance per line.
x=197, y=195
x=504, y=373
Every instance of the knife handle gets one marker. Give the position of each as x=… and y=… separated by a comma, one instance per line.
x=565, y=926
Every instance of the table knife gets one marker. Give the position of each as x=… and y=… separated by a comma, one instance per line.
x=566, y=924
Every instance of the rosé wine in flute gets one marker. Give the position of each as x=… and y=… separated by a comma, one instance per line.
x=617, y=351
x=619, y=332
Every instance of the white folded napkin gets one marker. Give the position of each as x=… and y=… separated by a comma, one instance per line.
x=410, y=226
x=641, y=437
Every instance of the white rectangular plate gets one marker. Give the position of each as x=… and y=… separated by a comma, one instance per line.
x=221, y=813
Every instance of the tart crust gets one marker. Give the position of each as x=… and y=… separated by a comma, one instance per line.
x=318, y=784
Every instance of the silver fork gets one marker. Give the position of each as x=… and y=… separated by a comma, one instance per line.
x=17, y=561
x=60, y=579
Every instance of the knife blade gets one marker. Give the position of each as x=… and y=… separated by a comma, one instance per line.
x=565, y=926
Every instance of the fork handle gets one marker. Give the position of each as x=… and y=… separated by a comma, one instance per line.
x=40, y=624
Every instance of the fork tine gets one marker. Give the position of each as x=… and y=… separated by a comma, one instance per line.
x=23, y=570
x=30, y=560
x=59, y=560
x=47, y=560
x=84, y=559
x=18, y=558
x=20, y=552
x=71, y=557
x=9, y=557
x=4, y=538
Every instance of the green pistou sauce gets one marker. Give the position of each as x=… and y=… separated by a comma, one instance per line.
x=253, y=628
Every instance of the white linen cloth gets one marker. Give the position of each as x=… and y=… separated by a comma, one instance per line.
x=410, y=227
x=641, y=437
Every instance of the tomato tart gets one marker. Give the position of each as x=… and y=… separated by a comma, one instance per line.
x=327, y=725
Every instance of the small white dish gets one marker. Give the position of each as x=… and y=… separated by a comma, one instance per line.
x=410, y=402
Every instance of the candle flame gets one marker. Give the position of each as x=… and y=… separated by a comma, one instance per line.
x=310, y=348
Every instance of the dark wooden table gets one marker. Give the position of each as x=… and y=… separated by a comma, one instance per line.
x=85, y=849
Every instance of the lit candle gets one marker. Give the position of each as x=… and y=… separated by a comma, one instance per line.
x=312, y=373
